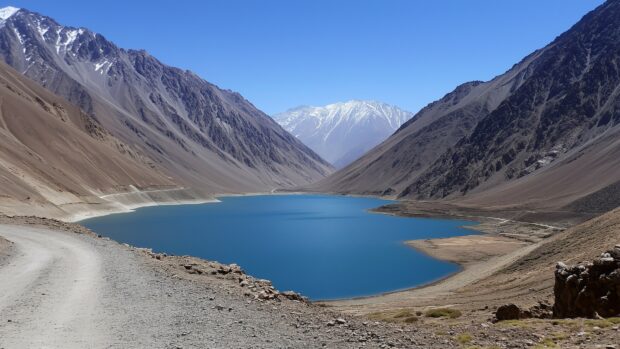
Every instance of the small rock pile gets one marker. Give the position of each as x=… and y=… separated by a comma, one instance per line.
x=590, y=289
x=259, y=289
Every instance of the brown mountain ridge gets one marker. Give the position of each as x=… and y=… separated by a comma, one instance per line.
x=200, y=135
x=53, y=154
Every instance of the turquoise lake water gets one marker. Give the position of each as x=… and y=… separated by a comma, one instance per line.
x=325, y=247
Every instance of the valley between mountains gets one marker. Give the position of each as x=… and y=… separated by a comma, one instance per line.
x=88, y=128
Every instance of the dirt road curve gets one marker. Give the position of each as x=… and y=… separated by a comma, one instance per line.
x=67, y=290
x=50, y=291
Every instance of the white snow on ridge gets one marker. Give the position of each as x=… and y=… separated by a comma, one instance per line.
x=103, y=67
x=71, y=36
x=42, y=31
x=352, y=112
x=7, y=12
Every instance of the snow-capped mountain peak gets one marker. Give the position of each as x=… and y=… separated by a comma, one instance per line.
x=7, y=12
x=340, y=132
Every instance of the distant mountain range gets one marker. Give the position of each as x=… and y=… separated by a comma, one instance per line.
x=196, y=133
x=342, y=132
x=544, y=134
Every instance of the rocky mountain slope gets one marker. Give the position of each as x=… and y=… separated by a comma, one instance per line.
x=199, y=134
x=545, y=133
x=52, y=153
x=342, y=132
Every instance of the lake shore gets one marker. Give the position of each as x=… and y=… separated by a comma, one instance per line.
x=200, y=308
x=478, y=255
x=501, y=242
x=205, y=303
x=192, y=309
x=130, y=201
x=467, y=250
x=73, y=208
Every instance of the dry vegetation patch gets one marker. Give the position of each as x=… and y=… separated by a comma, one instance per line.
x=443, y=312
x=396, y=316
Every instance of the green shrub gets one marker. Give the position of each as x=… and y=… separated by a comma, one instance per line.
x=404, y=315
x=443, y=312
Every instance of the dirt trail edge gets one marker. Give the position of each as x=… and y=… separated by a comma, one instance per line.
x=61, y=289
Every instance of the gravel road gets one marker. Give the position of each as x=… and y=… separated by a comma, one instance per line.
x=67, y=290
x=50, y=291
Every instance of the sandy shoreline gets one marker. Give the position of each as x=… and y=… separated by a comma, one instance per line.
x=500, y=243
x=133, y=204
x=467, y=250
x=77, y=217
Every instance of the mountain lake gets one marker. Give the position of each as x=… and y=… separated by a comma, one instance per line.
x=325, y=247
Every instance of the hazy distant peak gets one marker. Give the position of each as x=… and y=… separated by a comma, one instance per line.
x=353, y=111
x=340, y=132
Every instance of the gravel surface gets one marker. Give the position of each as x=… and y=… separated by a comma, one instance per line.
x=62, y=287
x=67, y=290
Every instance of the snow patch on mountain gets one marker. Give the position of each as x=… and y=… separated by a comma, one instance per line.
x=7, y=12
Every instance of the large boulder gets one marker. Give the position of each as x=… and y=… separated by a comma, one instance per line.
x=542, y=310
x=510, y=312
x=588, y=289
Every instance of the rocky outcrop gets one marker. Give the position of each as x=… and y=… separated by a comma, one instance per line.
x=509, y=312
x=589, y=289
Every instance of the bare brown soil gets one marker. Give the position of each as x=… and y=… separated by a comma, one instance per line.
x=467, y=250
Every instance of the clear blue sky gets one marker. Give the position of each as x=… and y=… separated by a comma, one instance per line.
x=283, y=53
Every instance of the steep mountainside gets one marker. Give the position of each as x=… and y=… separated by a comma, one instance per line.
x=342, y=132
x=543, y=134
x=53, y=153
x=204, y=136
x=391, y=166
